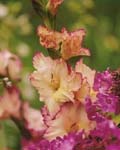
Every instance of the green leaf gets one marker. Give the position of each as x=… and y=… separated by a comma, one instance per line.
x=2, y=139
x=9, y=135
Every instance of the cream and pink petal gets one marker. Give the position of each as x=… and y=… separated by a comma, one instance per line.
x=34, y=120
x=71, y=118
x=86, y=72
x=54, y=80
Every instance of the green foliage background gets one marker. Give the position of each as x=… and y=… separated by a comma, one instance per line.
x=18, y=23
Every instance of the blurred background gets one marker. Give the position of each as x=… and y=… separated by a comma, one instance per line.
x=100, y=18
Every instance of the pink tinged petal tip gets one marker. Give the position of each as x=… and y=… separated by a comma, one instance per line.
x=34, y=120
x=86, y=72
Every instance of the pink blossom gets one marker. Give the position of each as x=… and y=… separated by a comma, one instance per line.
x=34, y=120
x=88, y=76
x=10, y=65
x=10, y=103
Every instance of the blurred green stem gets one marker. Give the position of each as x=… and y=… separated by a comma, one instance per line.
x=21, y=127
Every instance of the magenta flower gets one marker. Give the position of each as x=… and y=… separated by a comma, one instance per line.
x=106, y=100
x=113, y=147
x=103, y=81
x=105, y=136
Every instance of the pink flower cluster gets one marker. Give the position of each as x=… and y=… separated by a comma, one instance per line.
x=10, y=69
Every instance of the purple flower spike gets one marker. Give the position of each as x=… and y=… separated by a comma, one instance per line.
x=103, y=81
x=67, y=142
x=93, y=111
x=107, y=103
x=113, y=147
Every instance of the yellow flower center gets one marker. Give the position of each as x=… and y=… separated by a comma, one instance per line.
x=55, y=83
x=93, y=94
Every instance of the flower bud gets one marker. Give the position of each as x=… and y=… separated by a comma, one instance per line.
x=53, y=6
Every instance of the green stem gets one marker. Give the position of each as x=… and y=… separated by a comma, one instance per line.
x=21, y=127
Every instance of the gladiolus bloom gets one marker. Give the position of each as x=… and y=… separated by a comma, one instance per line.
x=54, y=80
